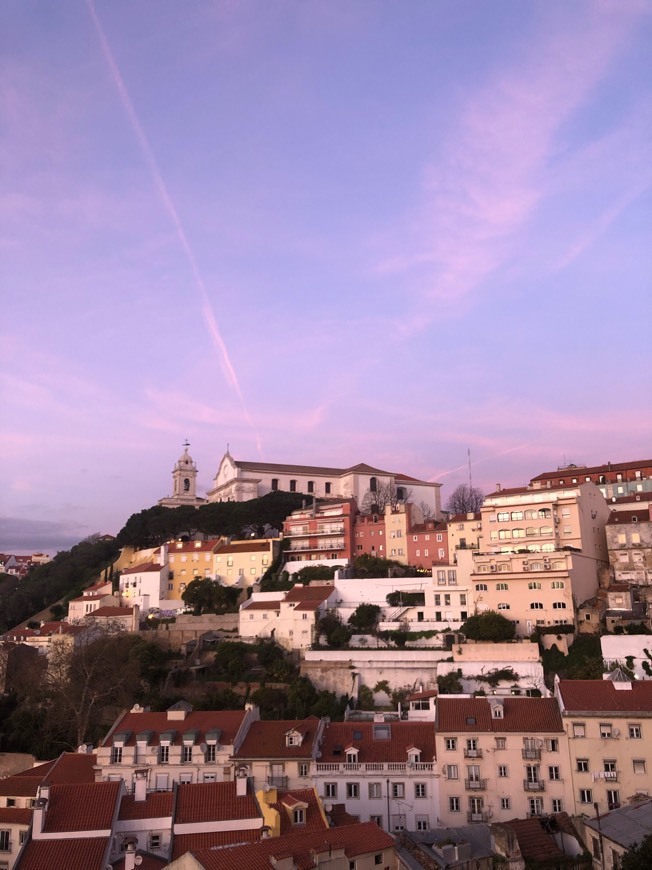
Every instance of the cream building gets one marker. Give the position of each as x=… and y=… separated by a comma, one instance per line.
x=145, y=585
x=96, y=596
x=542, y=553
x=465, y=532
x=188, y=561
x=608, y=726
x=501, y=758
x=184, y=483
x=289, y=618
x=243, y=563
x=240, y=481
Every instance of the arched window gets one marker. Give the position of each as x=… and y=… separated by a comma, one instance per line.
x=400, y=493
x=274, y=484
x=186, y=485
x=373, y=484
x=536, y=605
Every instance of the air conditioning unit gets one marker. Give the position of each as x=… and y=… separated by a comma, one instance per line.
x=492, y=567
x=547, y=567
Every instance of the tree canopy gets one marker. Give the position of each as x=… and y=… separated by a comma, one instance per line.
x=465, y=499
x=638, y=857
x=365, y=617
x=208, y=596
x=489, y=626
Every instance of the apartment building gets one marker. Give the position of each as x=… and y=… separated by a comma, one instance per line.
x=545, y=548
x=629, y=543
x=188, y=561
x=501, y=758
x=464, y=532
x=614, y=479
x=243, y=563
x=177, y=746
x=608, y=727
x=289, y=618
x=95, y=596
x=240, y=481
x=320, y=533
x=383, y=772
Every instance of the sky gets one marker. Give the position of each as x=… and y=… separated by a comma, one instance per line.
x=322, y=232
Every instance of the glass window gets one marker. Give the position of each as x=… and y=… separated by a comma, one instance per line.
x=352, y=790
x=454, y=804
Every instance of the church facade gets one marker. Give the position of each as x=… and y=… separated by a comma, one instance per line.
x=184, y=483
x=240, y=481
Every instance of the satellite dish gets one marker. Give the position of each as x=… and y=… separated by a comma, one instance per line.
x=203, y=747
x=328, y=807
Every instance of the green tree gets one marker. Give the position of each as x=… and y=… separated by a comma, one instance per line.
x=365, y=617
x=337, y=634
x=488, y=626
x=367, y=565
x=208, y=596
x=638, y=857
x=450, y=683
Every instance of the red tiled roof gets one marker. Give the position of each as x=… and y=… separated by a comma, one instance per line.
x=81, y=807
x=213, y=802
x=356, y=840
x=533, y=841
x=191, y=546
x=533, y=715
x=38, y=769
x=638, y=515
x=403, y=735
x=228, y=721
x=183, y=843
x=244, y=547
x=581, y=470
x=598, y=696
x=112, y=611
x=415, y=696
x=142, y=568
x=157, y=805
x=147, y=862
x=268, y=739
x=88, y=853
x=309, y=593
x=272, y=604
x=15, y=815
x=285, y=804
x=72, y=767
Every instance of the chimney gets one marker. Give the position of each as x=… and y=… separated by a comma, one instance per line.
x=140, y=785
x=241, y=782
x=38, y=816
x=129, y=846
x=498, y=487
x=163, y=555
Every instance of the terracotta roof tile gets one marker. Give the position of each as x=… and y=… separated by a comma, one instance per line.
x=108, y=611
x=638, y=515
x=309, y=593
x=72, y=767
x=268, y=739
x=213, y=801
x=15, y=815
x=89, y=853
x=157, y=805
x=228, y=721
x=361, y=735
x=356, y=840
x=192, y=546
x=245, y=547
x=580, y=470
x=533, y=715
x=288, y=800
x=142, y=568
x=274, y=604
x=534, y=843
x=183, y=843
x=81, y=807
x=598, y=696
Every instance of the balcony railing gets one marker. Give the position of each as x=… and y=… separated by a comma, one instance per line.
x=376, y=767
x=475, y=784
x=611, y=775
x=532, y=754
x=278, y=781
x=534, y=784
x=472, y=753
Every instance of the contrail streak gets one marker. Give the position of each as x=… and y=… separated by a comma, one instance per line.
x=150, y=161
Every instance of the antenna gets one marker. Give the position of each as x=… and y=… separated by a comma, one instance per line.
x=470, y=478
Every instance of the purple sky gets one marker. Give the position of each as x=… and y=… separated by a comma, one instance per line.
x=325, y=232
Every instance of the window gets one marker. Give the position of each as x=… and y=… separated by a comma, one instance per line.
x=274, y=484
x=398, y=789
x=534, y=585
x=116, y=755
x=5, y=841
x=452, y=771
x=552, y=744
x=11, y=802
x=586, y=796
x=605, y=729
x=536, y=605
x=553, y=773
x=557, y=584
x=451, y=743
x=579, y=729
x=557, y=805
x=422, y=823
x=330, y=789
x=454, y=804
x=559, y=605
x=503, y=606
x=583, y=765
x=501, y=742
x=303, y=768
x=352, y=757
x=186, y=754
x=293, y=486
x=613, y=798
x=398, y=822
x=378, y=859
x=535, y=806
x=505, y=803
x=299, y=816
x=311, y=486
x=638, y=765
x=164, y=754
x=352, y=790
x=154, y=841
x=503, y=770
x=420, y=790
x=481, y=587
x=503, y=516
x=211, y=753
x=375, y=791
x=377, y=819
x=634, y=731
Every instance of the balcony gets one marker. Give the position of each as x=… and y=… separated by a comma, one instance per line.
x=531, y=754
x=278, y=781
x=475, y=784
x=611, y=775
x=534, y=785
x=477, y=817
x=377, y=767
x=472, y=753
